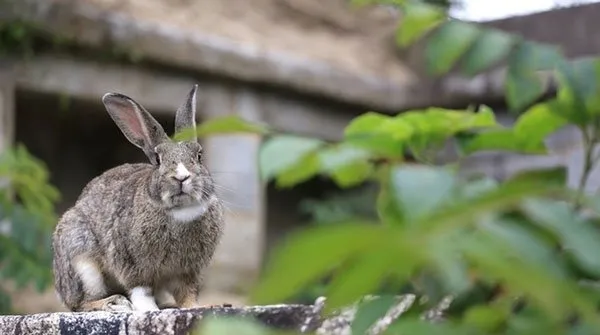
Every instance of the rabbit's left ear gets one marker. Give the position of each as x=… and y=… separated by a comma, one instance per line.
x=186, y=114
x=138, y=126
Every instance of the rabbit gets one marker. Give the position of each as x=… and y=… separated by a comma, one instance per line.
x=140, y=236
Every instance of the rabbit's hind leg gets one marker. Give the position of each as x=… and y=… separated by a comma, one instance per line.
x=95, y=288
x=188, y=295
x=114, y=303
x=91, y=277
x=165, y=299
x=185, y=290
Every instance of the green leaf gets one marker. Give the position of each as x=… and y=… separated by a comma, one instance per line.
x=335, y=157
x=367, y=123
x=377, y=133
x=230, y=325
x=363, y=275
x=531, y=56
x=537, y=123
x=498, y=140
x=477, y=187
x=387, y=207
x=489, y=48
x=420, y=190
x=553, y=175
x=486, y=318
x=379, y=145
x=281, y=153
x=522, y=88
x=526, y=323
x=579, y=238
x=221, y=125
x=507, y=196
x=447, y=44
x=307, y=167
x=312, y=253
x=578, y=97
x=580, y=77
x=370, y=311
x=441, y=123
x=522, y=84
x=524, y=244
x=352, y=174
x=452, y=270
x=418, y=326
x=346, y=164
x=418, y=19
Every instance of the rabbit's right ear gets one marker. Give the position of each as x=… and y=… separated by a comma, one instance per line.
x=138, y=126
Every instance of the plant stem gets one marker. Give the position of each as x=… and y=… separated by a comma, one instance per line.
x=589, y=144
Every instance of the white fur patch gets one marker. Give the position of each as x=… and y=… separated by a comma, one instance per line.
x=191, y=213
x=181, y=172
x=142, y=299
x=188, y=214
x=90, y=275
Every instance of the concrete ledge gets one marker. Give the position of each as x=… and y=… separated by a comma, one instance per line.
x=164, y=322
x=297, y=318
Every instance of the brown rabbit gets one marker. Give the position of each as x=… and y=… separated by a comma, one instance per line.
x=140, y=235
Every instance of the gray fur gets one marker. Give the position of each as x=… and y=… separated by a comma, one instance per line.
x=121, y=223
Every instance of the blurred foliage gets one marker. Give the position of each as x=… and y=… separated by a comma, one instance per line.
x=513, y=254
x=27, y=218
x=341, y=205
x=444, y=234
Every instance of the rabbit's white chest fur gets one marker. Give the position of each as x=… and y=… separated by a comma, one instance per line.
x=192, y=213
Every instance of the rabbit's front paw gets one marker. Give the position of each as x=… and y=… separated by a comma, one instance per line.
x=142, y=299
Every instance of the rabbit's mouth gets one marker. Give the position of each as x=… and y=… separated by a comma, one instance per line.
x=181, y=198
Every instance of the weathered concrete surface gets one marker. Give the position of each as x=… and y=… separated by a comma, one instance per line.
x=298, y=318
x=165, y=322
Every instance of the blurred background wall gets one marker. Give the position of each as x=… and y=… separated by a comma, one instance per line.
x=305, y=67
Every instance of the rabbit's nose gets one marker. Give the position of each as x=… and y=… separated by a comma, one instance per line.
x=181, y=178
x=181, y=173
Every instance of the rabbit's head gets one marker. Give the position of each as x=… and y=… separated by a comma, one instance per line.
x=179, y=179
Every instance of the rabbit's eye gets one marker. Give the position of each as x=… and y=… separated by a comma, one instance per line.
x=158, y=159
x=199, y=155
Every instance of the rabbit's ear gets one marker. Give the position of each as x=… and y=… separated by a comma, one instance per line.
x=138, y=126
x=186, y=114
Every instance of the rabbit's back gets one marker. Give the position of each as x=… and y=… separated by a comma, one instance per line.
x=108, y=198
